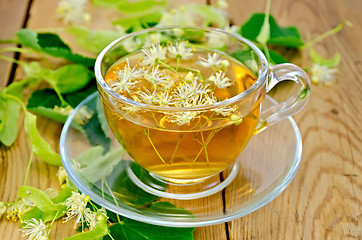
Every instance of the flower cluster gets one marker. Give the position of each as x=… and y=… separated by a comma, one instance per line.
x=165, y=75
x=34, y=229
x=16, y=209
x=77, y=207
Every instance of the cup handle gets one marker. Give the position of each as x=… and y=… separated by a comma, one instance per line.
x=296, y=102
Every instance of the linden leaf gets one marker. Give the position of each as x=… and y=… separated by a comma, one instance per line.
x=99, y=167
x=135, y=23
x=39, y=146
x=283, y=36
x=139, y=6
x=51, y=44
x=70, y=78
x=99, y=39
x=331, y=62
x=134, y=230
x=9, y=113
x=98, y=232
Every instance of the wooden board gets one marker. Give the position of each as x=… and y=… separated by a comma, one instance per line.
x=324, y=199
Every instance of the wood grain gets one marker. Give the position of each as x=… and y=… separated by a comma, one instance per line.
x=324, y=199
x=13, y=14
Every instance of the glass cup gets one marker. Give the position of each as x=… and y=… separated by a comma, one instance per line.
x=189, y=143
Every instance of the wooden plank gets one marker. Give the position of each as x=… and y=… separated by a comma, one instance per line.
x=324, y=200
x=12, y=16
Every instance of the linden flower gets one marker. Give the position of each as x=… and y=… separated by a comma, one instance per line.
x=77, y=207
x=220, y=80
x=154, y=55
x=18, y=208
x=179, y=50
x=182, y=118
x=215, y=39
x=62, y=175
x=225, y=111
x=231, y=29
x=131, y=44
x=126, y=79
x=72, y=11
x=34, y=229
x=321, y=74
x=164, y=99
x=214, y=61
x=147, y=96
x=155, y=76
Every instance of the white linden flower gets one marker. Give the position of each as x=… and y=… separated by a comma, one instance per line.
x=182, y=118
x=153, y=39
x=164, y=99
x=215, y=39
x=231, y=29
x=155, y=76
x=18, y=208
x=147, y=96
x=126, y=78
x=73, y=11
x=179, y=16
x=34, y=229
x=189, y=77
x=226, y=111
x=179, y=50
x=131, y=44
x=83, y=115
x=154, y=55
x=77, y=207
x=213, y=61
x=222, y=4
x=220, y=80
x=183, y=94
x=62, y=175
x=321, y=74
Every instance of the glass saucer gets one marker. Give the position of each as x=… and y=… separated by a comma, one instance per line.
x=262, y=171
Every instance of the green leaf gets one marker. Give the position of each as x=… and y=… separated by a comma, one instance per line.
x=90, y=156
x=44, y=208
x=97, y=233
x=71, y=78
x=101, y=117
x=106, y=3
x=9, y=113
x=139, y=6
x=39, y=146
x=99, y=39
x=276, y=58
x=283, y=36
x=99, y=167
x=134, y=230
x=136, y=23
x=125, y=189
x=51, y=44
x=331, y=62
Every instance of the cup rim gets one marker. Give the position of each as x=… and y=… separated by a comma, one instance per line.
x=262, y=70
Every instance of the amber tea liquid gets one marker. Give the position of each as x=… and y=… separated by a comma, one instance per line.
x=197, y=150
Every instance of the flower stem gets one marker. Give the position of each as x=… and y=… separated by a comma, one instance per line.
x=153, y=146
x=7, y=41
x=28, y=168
x=167, y=66
x=176, y=148
x=327, y=34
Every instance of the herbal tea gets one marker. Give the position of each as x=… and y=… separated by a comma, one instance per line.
x=176, y=139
